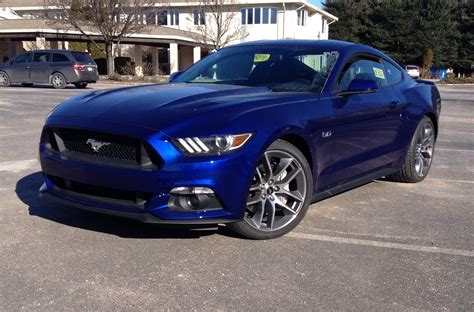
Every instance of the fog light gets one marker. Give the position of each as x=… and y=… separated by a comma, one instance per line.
x=193, y=201
x=186, y=198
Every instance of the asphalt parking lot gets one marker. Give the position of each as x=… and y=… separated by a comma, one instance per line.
x=382, y=246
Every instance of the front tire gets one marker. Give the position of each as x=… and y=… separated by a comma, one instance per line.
x=279, y=195
x=419, y=155
x=4, y=79
x=58, y=81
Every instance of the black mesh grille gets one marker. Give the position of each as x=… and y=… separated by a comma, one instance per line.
x=113, y=147
x=98, y=147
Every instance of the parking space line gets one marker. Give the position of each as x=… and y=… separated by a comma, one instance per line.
x=450, y=181
x=18, y=165
x=3, y=135
x=455, y=150
x=371, y=243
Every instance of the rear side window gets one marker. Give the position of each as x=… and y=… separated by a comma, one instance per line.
x=82, y=57
x=24, y=58
x=363, y=69
x=41, y=57
x=59, y=57
x=394, y=75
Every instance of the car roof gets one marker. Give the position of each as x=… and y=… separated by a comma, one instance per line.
x=307, y=43
x=341, y=46
x=61, y=51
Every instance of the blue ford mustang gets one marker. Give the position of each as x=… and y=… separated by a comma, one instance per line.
x=248, y=136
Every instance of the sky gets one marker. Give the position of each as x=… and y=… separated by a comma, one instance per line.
x=318, y=3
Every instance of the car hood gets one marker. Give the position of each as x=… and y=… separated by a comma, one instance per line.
x=156, y=106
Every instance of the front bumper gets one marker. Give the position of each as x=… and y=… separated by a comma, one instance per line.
x=144, y=217
x=227, y=175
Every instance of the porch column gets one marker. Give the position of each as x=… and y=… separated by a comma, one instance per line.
x=40, y=43
x=138, y=60
x=155, y=62
x=196, y=54
x=174, y=58
x=54, y=45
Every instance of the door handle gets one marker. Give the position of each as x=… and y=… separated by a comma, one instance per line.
x=394, y=104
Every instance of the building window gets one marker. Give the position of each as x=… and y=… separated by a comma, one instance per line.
x=323, y=26
x=199, y=17
x=258, y=15
x=162, y=18
x=174, y=18
x=302, y=16
x=273, y=15
x=251, y=16
x=266, y=15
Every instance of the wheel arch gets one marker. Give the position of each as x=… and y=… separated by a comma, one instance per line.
x=434, y=120
x=57, y=72
x=300, y=143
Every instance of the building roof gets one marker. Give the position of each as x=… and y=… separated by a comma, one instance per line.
x=51, y=29
x=40, y=4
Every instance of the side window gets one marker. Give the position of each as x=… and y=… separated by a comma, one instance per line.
x=363, y=69
x=41, y=57
x=23, y=58
x=59, y=57
x=394, y=75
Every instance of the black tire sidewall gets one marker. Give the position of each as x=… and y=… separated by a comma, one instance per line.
x=80, y=85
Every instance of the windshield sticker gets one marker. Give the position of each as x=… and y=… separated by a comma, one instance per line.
x=379, y=73
x=261, y=58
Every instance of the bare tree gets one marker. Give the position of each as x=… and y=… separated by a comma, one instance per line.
x=111, y=20
x=217, y=23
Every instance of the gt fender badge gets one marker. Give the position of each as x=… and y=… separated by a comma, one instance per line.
x=326, y=134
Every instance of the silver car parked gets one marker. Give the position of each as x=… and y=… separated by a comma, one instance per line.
x=54, y=67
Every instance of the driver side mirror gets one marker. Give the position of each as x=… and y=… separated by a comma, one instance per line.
x=174, y=75
x=360, y=86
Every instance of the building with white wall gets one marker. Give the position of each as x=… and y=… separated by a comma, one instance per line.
x=174, y=27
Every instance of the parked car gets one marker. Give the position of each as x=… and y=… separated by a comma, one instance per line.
x=54, y=67
x=413, y=71
x=248, y=136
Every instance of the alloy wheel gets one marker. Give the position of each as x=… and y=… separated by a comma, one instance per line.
x=277, y=193
x=424, y=150
x=58, y=81
x=4, y=81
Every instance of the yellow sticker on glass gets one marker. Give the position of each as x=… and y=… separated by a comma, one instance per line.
x=379, y=73
x=261, y=58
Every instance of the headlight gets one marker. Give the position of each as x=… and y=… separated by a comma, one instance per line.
x=214, y=145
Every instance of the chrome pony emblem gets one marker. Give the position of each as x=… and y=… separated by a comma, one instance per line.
x=97, y=145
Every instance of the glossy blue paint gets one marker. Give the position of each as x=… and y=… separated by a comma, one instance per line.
x=348, y=137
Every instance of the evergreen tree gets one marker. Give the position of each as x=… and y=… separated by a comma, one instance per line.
x=403, y=28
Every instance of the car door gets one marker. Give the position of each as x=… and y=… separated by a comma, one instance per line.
x=20, y=70
x=365, y=124
x=40, y=67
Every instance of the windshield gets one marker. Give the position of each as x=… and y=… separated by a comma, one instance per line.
x=282, y=69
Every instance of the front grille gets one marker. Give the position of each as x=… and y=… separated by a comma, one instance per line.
x=98, y=147
x=116, y=147
x=104, y=194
